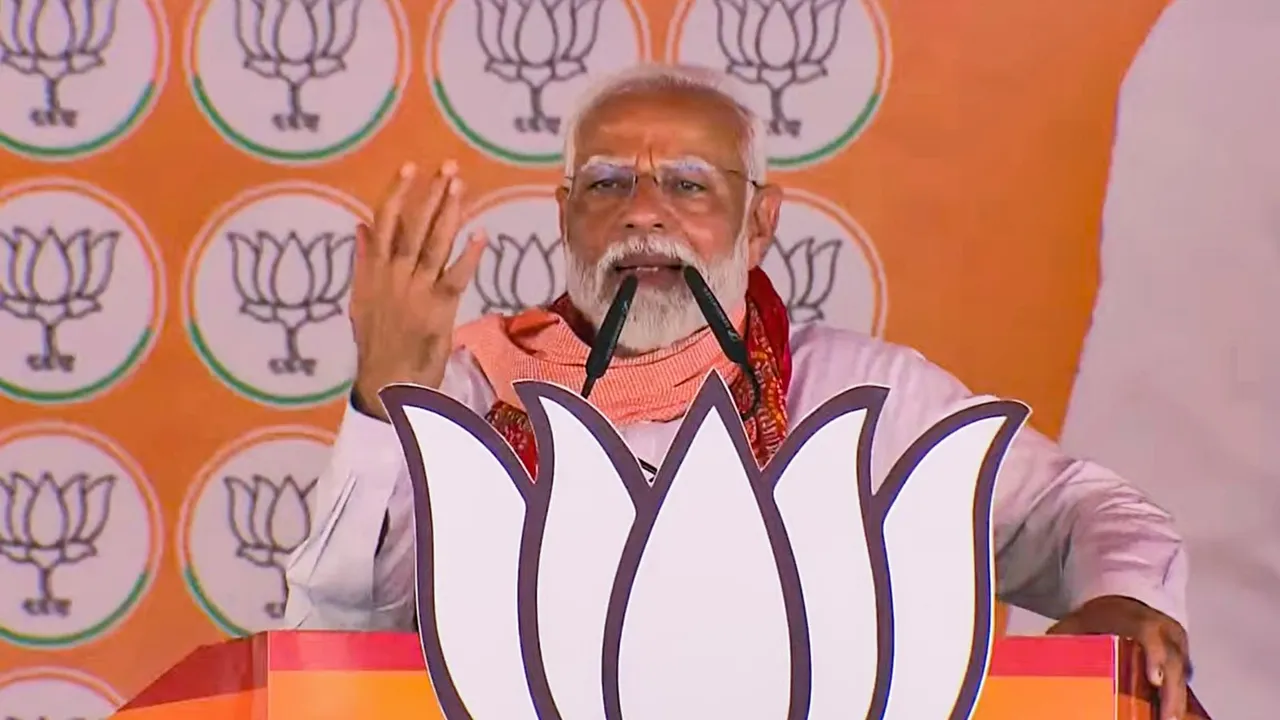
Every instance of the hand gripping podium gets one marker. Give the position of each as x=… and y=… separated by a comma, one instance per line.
x=716, y=589
x=351, y=676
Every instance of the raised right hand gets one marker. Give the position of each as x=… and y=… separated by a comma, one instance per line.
x=404, y=298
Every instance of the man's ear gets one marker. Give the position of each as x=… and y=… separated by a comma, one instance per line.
x=562, y=199
x=762, y=222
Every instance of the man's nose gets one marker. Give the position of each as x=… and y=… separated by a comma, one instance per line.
x=646, y=211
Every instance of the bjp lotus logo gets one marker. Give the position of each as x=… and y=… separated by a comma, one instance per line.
x=525, y=57
x=82, y=293
x=55, y=41
x=266, y=287
x=810, y=29
x=524, y=265
x=826, y=267
x=296, y=81
x=296, y=43
x=53, y=279
x=289, y=283
x=79, y=535
x=77, y=76
x=52, y=524
x=246, y=510
x=818, y=69
x=269, y=521
x=808, y=277
x=537, y=55
x=717, y=590
x=519, y=274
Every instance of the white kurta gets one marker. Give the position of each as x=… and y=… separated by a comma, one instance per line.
x=1065, y=530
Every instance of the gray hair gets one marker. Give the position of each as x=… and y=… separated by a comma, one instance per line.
x=653, y=76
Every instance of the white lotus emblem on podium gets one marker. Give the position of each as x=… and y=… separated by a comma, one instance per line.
x=719, y=591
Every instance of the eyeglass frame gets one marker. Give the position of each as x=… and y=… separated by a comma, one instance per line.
x=568, y=180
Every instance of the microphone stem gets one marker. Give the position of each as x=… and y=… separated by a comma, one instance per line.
x=731, y=343
x=606, y=341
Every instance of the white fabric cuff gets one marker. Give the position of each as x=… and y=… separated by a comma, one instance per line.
x=1150, y=591
x=368, y=447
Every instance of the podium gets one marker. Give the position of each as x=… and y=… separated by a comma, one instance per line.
x=341, y=675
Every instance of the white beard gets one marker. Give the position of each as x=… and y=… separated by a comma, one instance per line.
x=659, y=318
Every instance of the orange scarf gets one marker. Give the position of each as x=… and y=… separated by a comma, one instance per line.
x=541, y=344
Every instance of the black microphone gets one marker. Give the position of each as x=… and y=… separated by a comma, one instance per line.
x=721, y=327
x=605, y=345
x=606, y=342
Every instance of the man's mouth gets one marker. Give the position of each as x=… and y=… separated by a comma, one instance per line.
x=642, y=265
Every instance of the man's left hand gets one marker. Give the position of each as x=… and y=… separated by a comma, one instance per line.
x=1163, y=641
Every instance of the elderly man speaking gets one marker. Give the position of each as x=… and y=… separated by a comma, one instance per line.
x=665, y=168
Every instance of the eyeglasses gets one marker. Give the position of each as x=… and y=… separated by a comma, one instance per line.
x=690, y=186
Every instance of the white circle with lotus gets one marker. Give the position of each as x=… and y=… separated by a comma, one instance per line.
x=249, y=508
x=265, y=293
x=82, y=294
x=82, y=541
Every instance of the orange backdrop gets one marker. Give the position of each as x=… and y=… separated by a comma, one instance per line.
x=977, y=181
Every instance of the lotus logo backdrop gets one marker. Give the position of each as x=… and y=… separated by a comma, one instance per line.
x=179, y=186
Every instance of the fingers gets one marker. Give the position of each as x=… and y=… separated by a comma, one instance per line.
x=1173, y=691
x=439, y=243
x=1173, y=694
x=421, y=221
x=457, y=277
x=1163, y=640
x=387, y=221
x=1166, y=669
x=360, y=263
x=420, y=240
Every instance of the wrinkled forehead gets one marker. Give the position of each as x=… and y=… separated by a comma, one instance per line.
x=681, y=127
x=626, y=165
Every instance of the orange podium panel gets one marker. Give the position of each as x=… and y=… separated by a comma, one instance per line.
x=345, y=675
